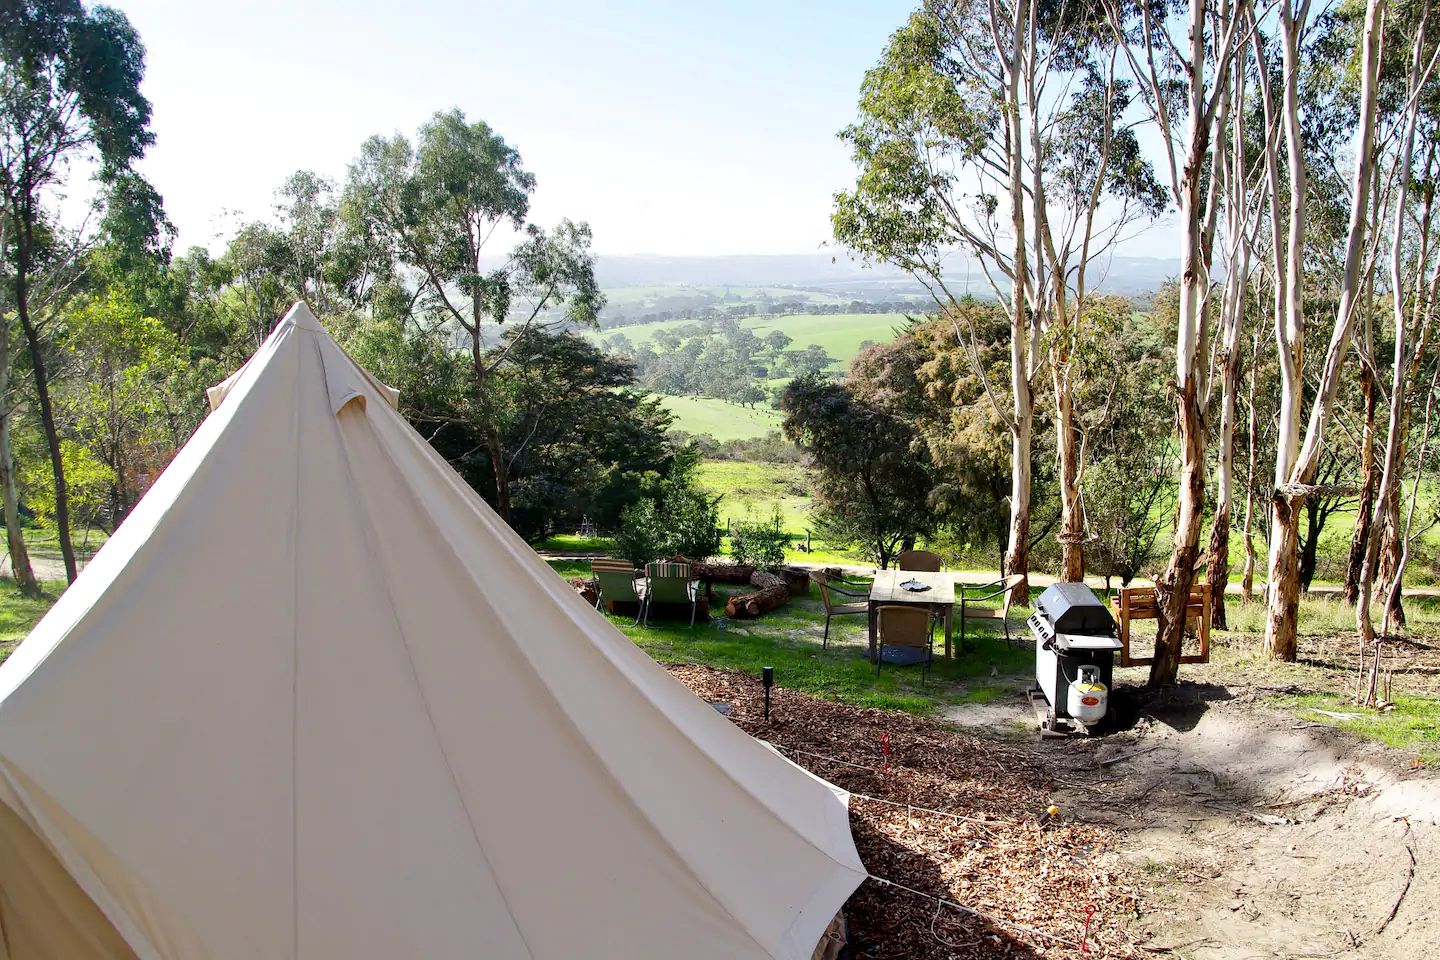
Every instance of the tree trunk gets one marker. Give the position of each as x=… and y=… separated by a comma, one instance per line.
x=1217, y=563
x=1283, y=590
x=1247, y=579
x=1299, y=467
x=1172, y=590
x=1391, y=570
x=502, y=476
x=1370, y=480
x=494, y=446
x=47, y=420
x=1017, y=559
x=1022, y=425
x=1217, y=557
x=1072, y=520
x=20, y=568
x=1387, y=493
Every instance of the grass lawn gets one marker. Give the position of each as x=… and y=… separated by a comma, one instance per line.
x=789, y=639
x=1412, y=724
x=721, y=419
x=42, y=542
x=1328, y=615
x=574, y=543
x=753, y=491
x=19, y=613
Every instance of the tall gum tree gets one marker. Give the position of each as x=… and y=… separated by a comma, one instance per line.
x=979, y=108
x=441, y=202
x=1412, y=312
x=1297, y=461
x=1242, y=209
x=1188, y=51
x=1090, y=182
x=69, y=91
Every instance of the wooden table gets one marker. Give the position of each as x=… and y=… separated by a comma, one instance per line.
x=940, y=598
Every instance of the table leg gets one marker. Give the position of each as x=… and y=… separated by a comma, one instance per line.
x=871, y=617
x=949, y=619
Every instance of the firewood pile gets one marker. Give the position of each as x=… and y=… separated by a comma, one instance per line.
x=770, y=593
x=1029, y=884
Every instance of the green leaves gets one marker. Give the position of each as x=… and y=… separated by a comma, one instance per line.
x=923, y=121
x=760, y=543
x=71, y=81
x=436, y=204
x=680, y=520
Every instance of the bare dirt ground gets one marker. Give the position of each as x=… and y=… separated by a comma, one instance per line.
x=1259, y=834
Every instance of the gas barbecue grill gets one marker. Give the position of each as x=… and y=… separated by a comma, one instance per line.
x=1075, y=644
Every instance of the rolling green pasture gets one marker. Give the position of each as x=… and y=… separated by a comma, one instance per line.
x=721, y=419
x=841, y=334
x=752, y=491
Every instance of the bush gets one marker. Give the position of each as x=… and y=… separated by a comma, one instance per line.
x=760, y=543
x=680, y=520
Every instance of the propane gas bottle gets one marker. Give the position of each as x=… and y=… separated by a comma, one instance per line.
x=1088, y=698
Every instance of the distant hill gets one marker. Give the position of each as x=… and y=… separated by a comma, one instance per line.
x=839, y=275
x=803, y=270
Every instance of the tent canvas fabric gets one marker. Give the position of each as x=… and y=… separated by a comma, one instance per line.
x=314, y=699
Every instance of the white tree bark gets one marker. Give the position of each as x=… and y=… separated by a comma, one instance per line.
x=1296, y=463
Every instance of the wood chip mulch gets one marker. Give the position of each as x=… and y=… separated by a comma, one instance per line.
x=1030, y=884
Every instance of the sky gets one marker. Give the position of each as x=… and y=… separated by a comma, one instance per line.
x=672, y=128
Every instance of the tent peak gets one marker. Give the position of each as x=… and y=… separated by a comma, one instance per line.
x=301, y=316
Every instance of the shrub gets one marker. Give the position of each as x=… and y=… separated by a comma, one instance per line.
x=760, y=543
x=679, y=520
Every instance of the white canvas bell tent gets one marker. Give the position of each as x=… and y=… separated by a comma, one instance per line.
x=315, y=700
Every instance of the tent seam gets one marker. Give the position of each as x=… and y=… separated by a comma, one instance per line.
x=618, y=668
x=295, y=674
x=368, y=534
x=611, y=776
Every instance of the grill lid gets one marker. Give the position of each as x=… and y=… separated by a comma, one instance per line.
x=1074, y=608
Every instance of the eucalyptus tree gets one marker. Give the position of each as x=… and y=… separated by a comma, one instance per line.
x=69, y=91
x=1242, y=207
x=333, y=259
x=1181, y=57
x=438, y=206
x=1088, y=155
x=21, y=570
x=975, y=107
x=940, y=147
x=1414, y=277
x=1297, y=458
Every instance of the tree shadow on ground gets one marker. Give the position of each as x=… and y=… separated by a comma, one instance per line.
x=1179, y=707
x=889, y=923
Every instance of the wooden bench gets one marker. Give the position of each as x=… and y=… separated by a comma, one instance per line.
x=1138, y=603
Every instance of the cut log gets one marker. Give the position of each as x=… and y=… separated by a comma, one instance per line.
x=723, y=572
x=766, y=580
x=753, y=604
x=797, y=579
